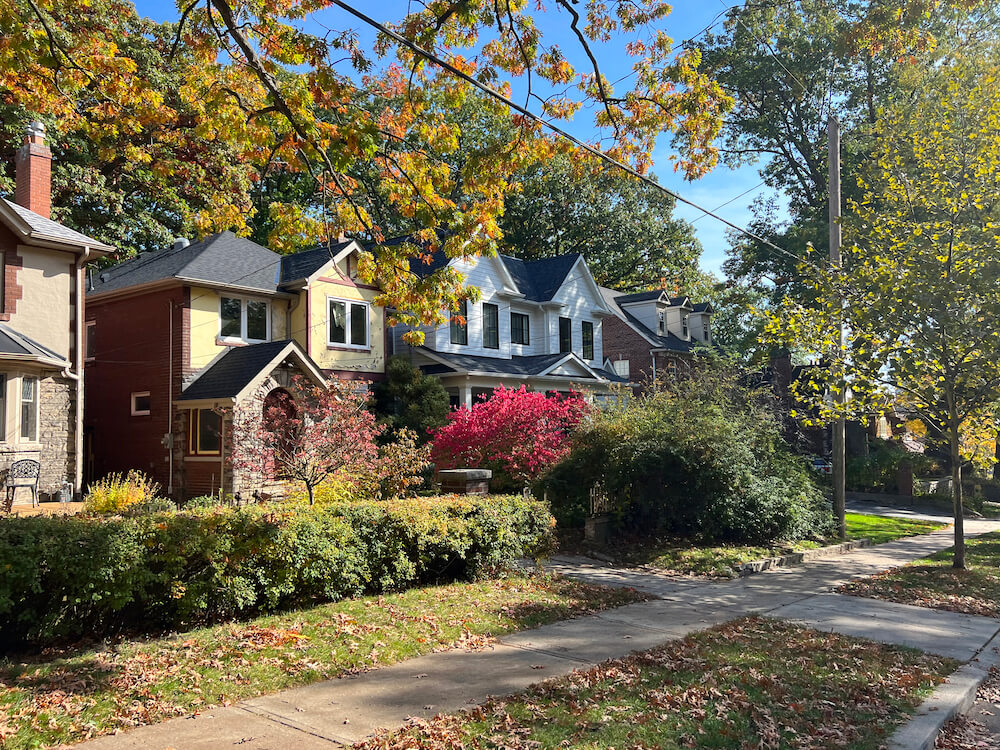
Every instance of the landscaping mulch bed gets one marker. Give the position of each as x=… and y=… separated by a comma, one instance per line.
x=750, y=683
x=934, y=583
x=70, y=695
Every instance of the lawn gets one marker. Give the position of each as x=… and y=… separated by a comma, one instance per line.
x=750, y=683
x=932, y=582
x=721, y=560
x=68, y=697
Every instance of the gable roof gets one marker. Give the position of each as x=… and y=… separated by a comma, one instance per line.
x=533, y=365
x=220, y=259
x=302, y=265
x=236, y=369
x=15, y=345
x=539, y=280
x=35, y=226
x=670, y=341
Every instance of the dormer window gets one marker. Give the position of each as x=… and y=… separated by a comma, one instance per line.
x=706, y=330
x=661, y=318
x=685, y=331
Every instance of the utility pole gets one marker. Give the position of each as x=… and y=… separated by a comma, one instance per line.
x=839, y=426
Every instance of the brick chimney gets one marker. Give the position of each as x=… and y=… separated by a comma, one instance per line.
x=34, y=172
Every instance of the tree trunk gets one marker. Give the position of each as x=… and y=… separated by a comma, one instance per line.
x=956, y=489
x=310, y=489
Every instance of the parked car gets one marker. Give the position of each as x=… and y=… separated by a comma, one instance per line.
x=821, y=465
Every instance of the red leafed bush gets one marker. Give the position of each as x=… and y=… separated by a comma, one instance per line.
x=516, y=433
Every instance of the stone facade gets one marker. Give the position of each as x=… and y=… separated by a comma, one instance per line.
x=56, y=447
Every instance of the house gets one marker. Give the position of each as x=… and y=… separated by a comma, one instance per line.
x=538, y=323
x=184, y=340
x=651, y=332
x=41, y=352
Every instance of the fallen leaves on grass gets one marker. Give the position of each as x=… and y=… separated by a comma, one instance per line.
x=68, y=696
x=751, y=683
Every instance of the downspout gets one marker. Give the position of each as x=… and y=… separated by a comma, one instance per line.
x=652, y=355
x=170, y=398
x=78, y=356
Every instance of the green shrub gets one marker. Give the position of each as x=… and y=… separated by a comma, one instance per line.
x=702, y=459
x=67, y=577
x=879, y=470
x=118, y=492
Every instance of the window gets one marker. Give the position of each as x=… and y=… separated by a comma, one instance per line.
x=621, y=368
x=706, y=330
x=520, y=331
x=491, y=326
x=29, y=409
x=588, y=339
x=89, y=342
x=3, y=406
x=205, y=433
x=140, y=404
x=661, y=322
x=347, y=323
x=684, y=326
x=565, y=335
x=244, y=320
x=460, y=329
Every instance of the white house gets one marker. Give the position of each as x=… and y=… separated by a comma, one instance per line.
x=538, y=323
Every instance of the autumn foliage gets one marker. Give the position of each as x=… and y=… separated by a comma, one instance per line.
x=516, y=433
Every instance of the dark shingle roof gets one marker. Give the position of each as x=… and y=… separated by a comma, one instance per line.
x=221, y=258
x=15, y=343
x=669, y=342
x=303, y=265
x=233, y=371
x=518, y=366
x=43, y=227
x=703, y=307
x=622, y=299
x=539, y=280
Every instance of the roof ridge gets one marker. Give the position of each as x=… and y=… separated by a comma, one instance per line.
x=141, y=261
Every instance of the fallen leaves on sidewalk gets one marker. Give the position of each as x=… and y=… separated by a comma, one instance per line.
x=935, y=584
x=972, y=731
x=751, y=683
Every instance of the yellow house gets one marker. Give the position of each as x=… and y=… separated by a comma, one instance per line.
x=184, y=339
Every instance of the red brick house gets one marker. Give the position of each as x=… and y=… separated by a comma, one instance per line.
x=41, y=319
x=183, y=341
x=651, y=333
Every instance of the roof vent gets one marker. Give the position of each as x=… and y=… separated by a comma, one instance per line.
x=181, y=242
x=104, y=277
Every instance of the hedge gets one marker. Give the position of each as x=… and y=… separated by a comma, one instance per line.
x=65, y=578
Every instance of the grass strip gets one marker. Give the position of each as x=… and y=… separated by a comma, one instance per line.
x=721, y=560
x=932, y=582
x=71, y=696
x=750, y=683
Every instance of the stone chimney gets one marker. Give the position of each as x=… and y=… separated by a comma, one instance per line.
x=34, y=172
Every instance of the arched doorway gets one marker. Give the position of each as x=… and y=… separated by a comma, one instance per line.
x=278, y=416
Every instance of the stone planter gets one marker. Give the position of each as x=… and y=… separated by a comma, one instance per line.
x=466, y=481
x=597, y=529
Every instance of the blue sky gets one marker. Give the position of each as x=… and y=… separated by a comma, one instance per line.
x=687, y=20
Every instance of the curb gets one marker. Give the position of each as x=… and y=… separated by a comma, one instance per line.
x=796, y=558
x=949, y=700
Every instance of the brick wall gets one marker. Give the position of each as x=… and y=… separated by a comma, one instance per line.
x=132, y=353
x=622, y=342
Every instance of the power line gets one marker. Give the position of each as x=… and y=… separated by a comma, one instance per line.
x=416, y=49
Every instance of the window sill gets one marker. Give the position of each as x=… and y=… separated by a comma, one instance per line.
x=140, y=414
x=219, y=341
x=202, y=458
x=342, y=348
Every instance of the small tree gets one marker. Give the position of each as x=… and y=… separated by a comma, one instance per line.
x=920, y=273
x=515, y=433
x=309, y=434
x=408, y=399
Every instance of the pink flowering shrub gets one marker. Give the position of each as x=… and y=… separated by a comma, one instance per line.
x=516, y=433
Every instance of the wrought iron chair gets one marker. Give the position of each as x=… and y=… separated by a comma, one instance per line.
x=23, y=473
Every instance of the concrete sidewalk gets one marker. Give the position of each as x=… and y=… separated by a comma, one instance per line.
x=342, y=711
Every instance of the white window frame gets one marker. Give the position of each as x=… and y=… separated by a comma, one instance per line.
x=21, y=402
x=243, y=338
x=4, y=379
x=89, y=332
x=685, y=327
x=139, y=412
x=346, y=344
